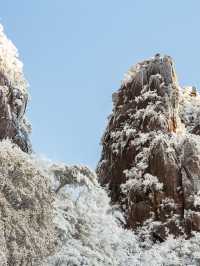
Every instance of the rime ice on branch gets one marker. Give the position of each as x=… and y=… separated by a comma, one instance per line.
x=13, y=96
x=151, y=155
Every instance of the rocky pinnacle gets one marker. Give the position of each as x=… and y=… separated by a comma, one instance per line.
x=150, y=160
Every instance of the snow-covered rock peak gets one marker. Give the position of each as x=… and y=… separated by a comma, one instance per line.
x=154, y=131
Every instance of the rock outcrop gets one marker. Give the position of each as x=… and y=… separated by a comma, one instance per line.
x=13, y=96
x=150, y=161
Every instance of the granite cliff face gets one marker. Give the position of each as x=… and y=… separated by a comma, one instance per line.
x=151, y=154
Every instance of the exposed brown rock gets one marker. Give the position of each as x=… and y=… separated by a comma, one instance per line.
x=13, y=124
x=13, y=96
x=151, y=157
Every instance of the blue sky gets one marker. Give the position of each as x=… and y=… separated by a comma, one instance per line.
x=76, y=52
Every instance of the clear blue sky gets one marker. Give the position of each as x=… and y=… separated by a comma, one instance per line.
x=76, y=52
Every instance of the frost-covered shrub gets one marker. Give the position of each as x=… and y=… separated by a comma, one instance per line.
x=26, y=229
x=90, y=231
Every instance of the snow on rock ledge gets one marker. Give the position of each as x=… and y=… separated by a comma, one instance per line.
x=153, y=131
